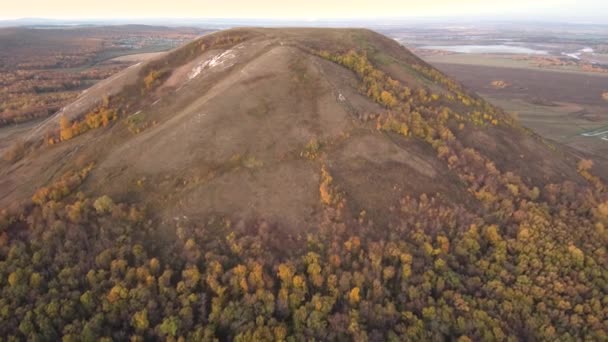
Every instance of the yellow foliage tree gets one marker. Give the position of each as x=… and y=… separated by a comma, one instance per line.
x=116, y=293
x=354, y=296
x=151, y=78
x=325, y=188
x=66, y=132
x=139, y=321
x=387, y=99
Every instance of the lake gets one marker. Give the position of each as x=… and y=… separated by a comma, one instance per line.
x=509, y=49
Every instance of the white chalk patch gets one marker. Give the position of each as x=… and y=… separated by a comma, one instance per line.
x=594, y=134
x=220, y=60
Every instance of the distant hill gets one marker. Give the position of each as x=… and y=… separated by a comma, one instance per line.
x=296, y=184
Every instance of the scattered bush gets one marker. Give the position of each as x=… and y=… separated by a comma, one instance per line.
x=103, y=204
x=100, y=117
x=16, y=151
x=311, y=150
x=152, y=78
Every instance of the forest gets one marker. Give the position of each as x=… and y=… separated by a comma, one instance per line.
x=528, y=262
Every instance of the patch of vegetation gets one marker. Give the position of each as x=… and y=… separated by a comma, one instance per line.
x=16, y=151
x=299, y=71
x=138, y=123
x=235, y=162
x=153, y=78
x=380, y=58
x=389, y=123
x=63, y=187
x=413, y=105
x=584, y=166
x=361, y=41
x=261, y=110
x=252, y=162
x=327, y=190
x=27, y=106
x=312, y=149
x=100, y=117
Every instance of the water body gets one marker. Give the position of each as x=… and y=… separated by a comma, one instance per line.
x=507, y=49
x=596, y=133
x=601, y=133
x=577, y=55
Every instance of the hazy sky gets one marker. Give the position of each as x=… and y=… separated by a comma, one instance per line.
x=297, y=9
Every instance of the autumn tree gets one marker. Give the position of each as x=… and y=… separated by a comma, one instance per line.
x=65, y=128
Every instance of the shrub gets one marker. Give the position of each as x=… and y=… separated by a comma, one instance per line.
x=16, y=151
x=151, y=78
x=311, y=150
x=65, y=128
x=103, y=204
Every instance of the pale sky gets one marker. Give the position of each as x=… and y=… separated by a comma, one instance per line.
x=297, y=9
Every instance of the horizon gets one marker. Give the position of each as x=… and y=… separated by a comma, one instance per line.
x=246, y=21
x=310, y=10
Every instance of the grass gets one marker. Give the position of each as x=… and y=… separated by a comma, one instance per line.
x=252, y=162
x=299, y=70
x=261, y=110
x=138, y=122
x=380, y=58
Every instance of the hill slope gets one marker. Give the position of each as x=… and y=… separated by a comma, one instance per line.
x=264, y=183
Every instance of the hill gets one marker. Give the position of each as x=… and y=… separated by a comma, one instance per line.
x=271, y=184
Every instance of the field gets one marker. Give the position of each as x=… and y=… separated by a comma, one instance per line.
x=136, y=57
x=497, y=61
x=558, y=105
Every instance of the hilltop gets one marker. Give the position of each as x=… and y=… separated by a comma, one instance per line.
x=238, y=118
x=269, y=183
